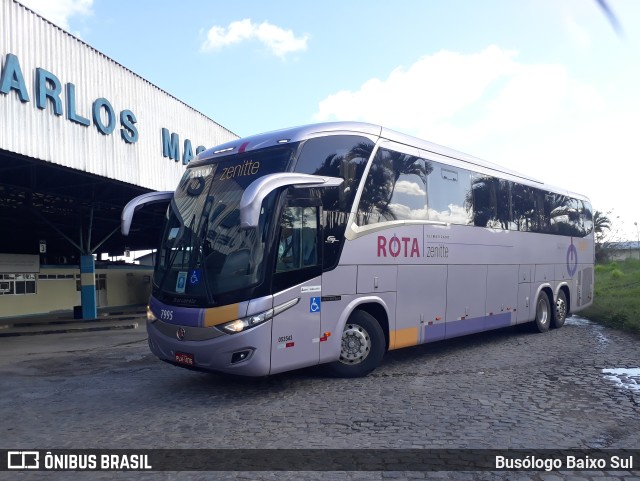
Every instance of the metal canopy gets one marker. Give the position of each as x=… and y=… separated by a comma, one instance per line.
x=74, y=212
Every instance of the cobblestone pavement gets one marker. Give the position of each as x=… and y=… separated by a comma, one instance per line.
x=504, y=389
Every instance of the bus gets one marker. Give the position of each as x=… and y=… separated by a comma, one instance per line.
x=334, y=243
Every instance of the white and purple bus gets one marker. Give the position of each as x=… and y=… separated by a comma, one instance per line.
x=333, y=243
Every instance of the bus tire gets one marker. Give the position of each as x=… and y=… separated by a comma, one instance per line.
x=543, y=313
x=362, y=346
x=560, y=311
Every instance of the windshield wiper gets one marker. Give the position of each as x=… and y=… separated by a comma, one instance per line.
x=179, y=243
x=199, y=258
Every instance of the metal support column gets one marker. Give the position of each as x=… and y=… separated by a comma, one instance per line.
x=88, y=287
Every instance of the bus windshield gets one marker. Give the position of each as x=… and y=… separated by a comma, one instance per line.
x=203, y=251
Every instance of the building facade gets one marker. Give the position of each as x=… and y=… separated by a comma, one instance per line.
x=80, y=135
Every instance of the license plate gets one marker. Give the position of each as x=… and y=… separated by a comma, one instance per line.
x=184, y=358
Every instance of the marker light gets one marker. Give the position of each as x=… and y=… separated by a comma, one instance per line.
x=245, y=323
x=150, y=315
x=221, y=151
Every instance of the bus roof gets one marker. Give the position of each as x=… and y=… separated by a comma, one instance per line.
x=296, y=134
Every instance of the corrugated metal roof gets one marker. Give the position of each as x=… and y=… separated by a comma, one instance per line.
x=43, y=134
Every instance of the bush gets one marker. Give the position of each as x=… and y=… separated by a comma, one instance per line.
x=600, y=268
x=617, y=274
x=617, y=295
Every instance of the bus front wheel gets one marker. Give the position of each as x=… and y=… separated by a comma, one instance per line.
x=543, y=313
x=362, y=346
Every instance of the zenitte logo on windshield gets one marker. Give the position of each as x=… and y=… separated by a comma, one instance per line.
x=249, y=167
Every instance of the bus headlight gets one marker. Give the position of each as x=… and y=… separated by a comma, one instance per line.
x=245, y=323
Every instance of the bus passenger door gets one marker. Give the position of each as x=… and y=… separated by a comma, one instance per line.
x=297, y=287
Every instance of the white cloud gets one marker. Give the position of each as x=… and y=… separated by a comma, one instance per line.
x=405, y=212
x=578, y=34
x=535, y=118
x=409, y=188
x=59, y=11
x=457, y=99
x=278, y=40
x=463, y=100
x=432, y=90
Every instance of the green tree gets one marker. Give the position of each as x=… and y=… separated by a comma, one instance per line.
x=601, y=227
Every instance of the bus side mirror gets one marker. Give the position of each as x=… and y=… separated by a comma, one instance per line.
x=256, y=192
x=138, y=203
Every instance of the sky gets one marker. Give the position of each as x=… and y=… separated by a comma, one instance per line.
x=545, y=87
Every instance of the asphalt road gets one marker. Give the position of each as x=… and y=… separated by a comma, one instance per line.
x=573, y=388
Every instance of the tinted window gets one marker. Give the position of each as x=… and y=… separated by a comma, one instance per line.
x=558, y=209
x=449, y=195
x=395, y=189
x=523, y=208
x=298, y=239
x=492, y=202
x=505, y=217
x=485, y=200
x=587, y=217
x=203, y=239
x=343, y=156
x=541, y=221
x=564, y=215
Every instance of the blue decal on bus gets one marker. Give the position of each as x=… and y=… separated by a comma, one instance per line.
x=181, y=282
x=314, y=304
x=195, y=276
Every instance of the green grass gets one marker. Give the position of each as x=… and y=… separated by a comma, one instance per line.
x=617, y=295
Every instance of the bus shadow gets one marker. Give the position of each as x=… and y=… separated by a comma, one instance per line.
x=436, y=351
x=395, y=362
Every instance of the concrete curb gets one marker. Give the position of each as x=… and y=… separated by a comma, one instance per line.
x=66, y=321
x=33, y=326
x=68, y=326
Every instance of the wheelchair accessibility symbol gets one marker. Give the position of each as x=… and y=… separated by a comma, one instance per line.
x=314, y=304
x=195, y=276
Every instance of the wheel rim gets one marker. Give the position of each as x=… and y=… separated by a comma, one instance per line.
x=561, y=309
x=542, y=312
x=356, y=344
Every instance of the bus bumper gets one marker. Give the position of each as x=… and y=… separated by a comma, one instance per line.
x=246, y=353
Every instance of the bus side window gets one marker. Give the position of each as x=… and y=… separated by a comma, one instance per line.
x=297, y=246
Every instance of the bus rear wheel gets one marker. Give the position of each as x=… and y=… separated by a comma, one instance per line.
x=543, y=313
x=362, y=346
x=561, y=310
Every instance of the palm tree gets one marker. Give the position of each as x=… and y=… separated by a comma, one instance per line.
x=601, y=223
